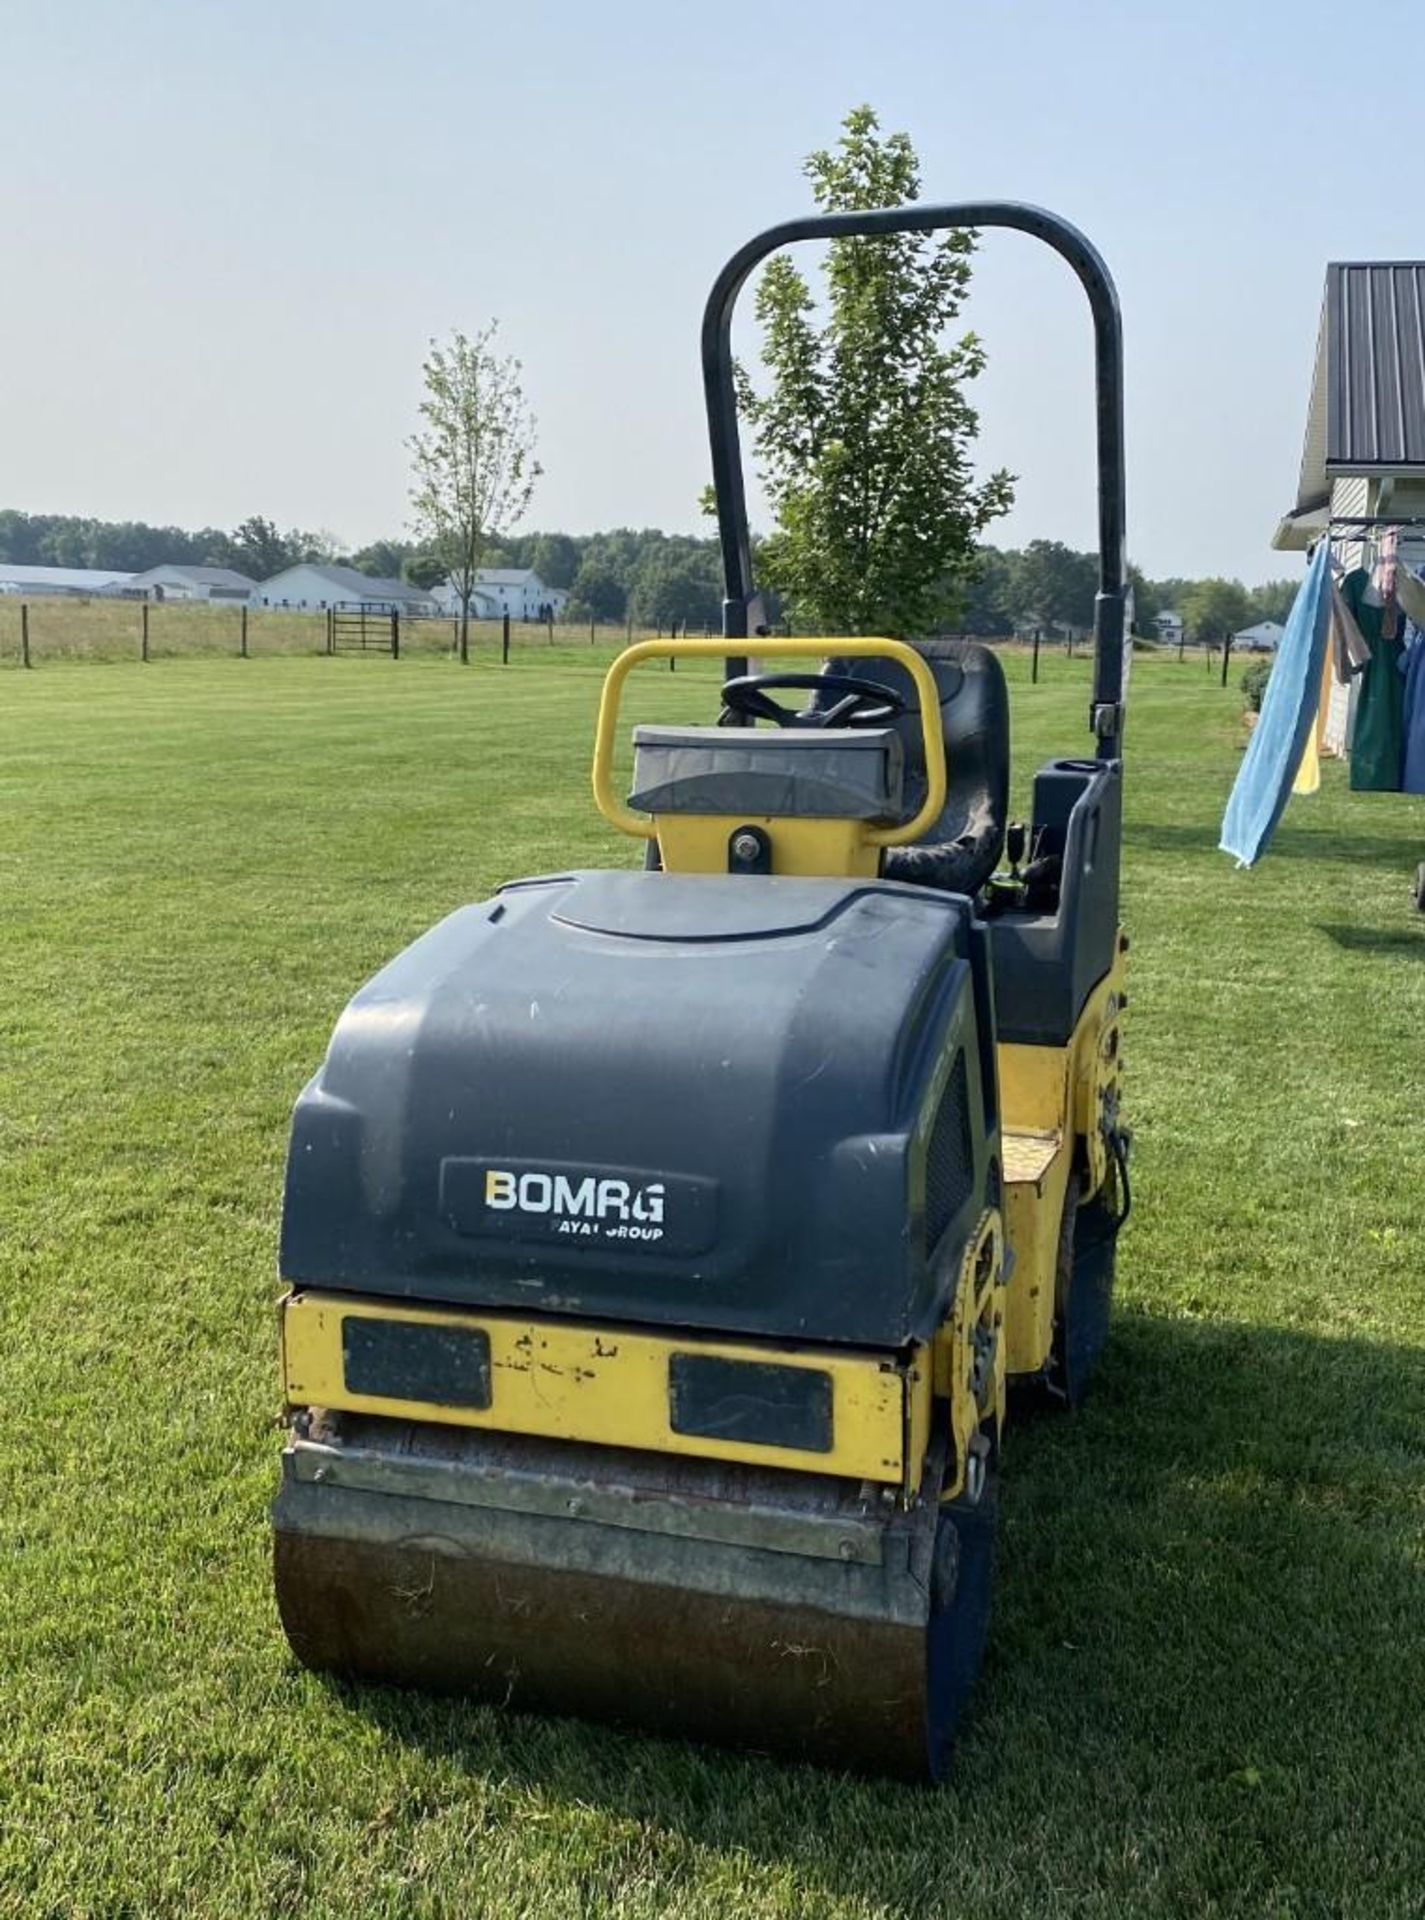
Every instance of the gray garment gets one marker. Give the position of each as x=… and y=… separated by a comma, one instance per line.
x=1349, y=648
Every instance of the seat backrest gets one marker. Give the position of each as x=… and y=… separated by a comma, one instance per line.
x=963, y=848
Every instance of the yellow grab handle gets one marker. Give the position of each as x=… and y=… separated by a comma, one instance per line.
x=818, y=647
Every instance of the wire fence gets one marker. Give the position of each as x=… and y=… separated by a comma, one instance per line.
x=54, y=628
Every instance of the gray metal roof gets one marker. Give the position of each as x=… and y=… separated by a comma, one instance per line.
x=200, y=576
x=359, y=586
x=1367, y=413
x=1375, y=415
x=504, y=576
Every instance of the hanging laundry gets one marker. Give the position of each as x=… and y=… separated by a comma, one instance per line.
x=1412, y=667
x=1379, y=739
x=1288, y=717
x=1348, y=654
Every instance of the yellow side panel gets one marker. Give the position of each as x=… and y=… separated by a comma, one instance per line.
x=697, y=843
x=608, y=1387
x=1053, y=1101
x=1033, y=1210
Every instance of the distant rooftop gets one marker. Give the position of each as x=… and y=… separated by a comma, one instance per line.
x=355, y=584
x=199, y=576
x=64, y=579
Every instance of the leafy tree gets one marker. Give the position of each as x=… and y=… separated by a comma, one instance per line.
x=1055, y=586
x=1216, y=609
x=1146, y=604
x=386, y=559
x=863, y=433
x=1272, y=600
x=473, y=465
x=987, y=604
x=260, y=550
x=424, y=570
x=554, y=557
x=681, y=585
x=598, y=593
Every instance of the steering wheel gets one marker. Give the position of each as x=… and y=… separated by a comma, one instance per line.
x=863, y=703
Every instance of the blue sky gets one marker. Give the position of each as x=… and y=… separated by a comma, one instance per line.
x=228, y=231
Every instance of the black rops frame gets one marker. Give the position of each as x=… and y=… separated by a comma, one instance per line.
x=739, y=613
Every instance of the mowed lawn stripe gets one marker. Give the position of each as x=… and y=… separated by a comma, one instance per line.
x=1203, y=1693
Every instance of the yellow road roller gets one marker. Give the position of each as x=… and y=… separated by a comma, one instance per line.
x=664, y=1244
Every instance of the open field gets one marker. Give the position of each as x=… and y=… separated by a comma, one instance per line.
x=1205, y=1693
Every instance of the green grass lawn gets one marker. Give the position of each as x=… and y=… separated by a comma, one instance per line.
x=1205, y=1690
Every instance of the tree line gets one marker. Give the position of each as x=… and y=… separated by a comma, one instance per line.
x=651, y=577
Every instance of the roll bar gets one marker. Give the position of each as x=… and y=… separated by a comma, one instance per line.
x=740, y=613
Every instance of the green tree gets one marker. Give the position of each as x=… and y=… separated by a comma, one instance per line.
x=678, y=584
x=1272, y=600
x=1216, y=609
x=473, y=464
x=598, y=593
x=422, y=569
x=1055, y=586
x=986, y=604
x=1146, y=604
x=863, y=432
x=260, y=550
x=386, y=559
x=555, y=558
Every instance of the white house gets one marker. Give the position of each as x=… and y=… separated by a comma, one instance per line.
x=483, y=605
x=518, y=591
x=1169, y=627
x=312, y=586
x=1261, y=638
x=194, y=583
x=77, y=582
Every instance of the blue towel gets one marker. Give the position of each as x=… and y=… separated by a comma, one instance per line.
x=1263, y=783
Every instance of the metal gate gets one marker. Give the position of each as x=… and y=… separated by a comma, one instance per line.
x=364, y=630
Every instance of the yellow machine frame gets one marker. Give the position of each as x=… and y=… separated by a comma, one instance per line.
x=575, y=1382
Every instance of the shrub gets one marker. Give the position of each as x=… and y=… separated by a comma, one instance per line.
x=1254, y=684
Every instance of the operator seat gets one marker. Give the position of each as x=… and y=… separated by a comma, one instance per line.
x=960, y=852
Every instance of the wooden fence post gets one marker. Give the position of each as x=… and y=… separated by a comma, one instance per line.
x=143, y=633
x=395, y=633
x=1034, y=667
x=505, y=640
x=591, y=629
x=1226, y=656
x=242, y=634
x=549, y=625
x=24, y=633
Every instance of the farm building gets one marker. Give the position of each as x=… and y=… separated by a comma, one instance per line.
x=194, y=583
x=78, y=582
x=1168, y=626
x=518, y=591
x=313, y=586
x=1364, y=456
x=483, y=605
x=1261, y=638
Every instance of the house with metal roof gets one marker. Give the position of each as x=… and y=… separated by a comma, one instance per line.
x=312, y=586
x=518, y=591
x=223, y=584
x=1364, y=454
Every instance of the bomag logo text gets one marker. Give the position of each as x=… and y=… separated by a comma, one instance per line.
x=592, y=1205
